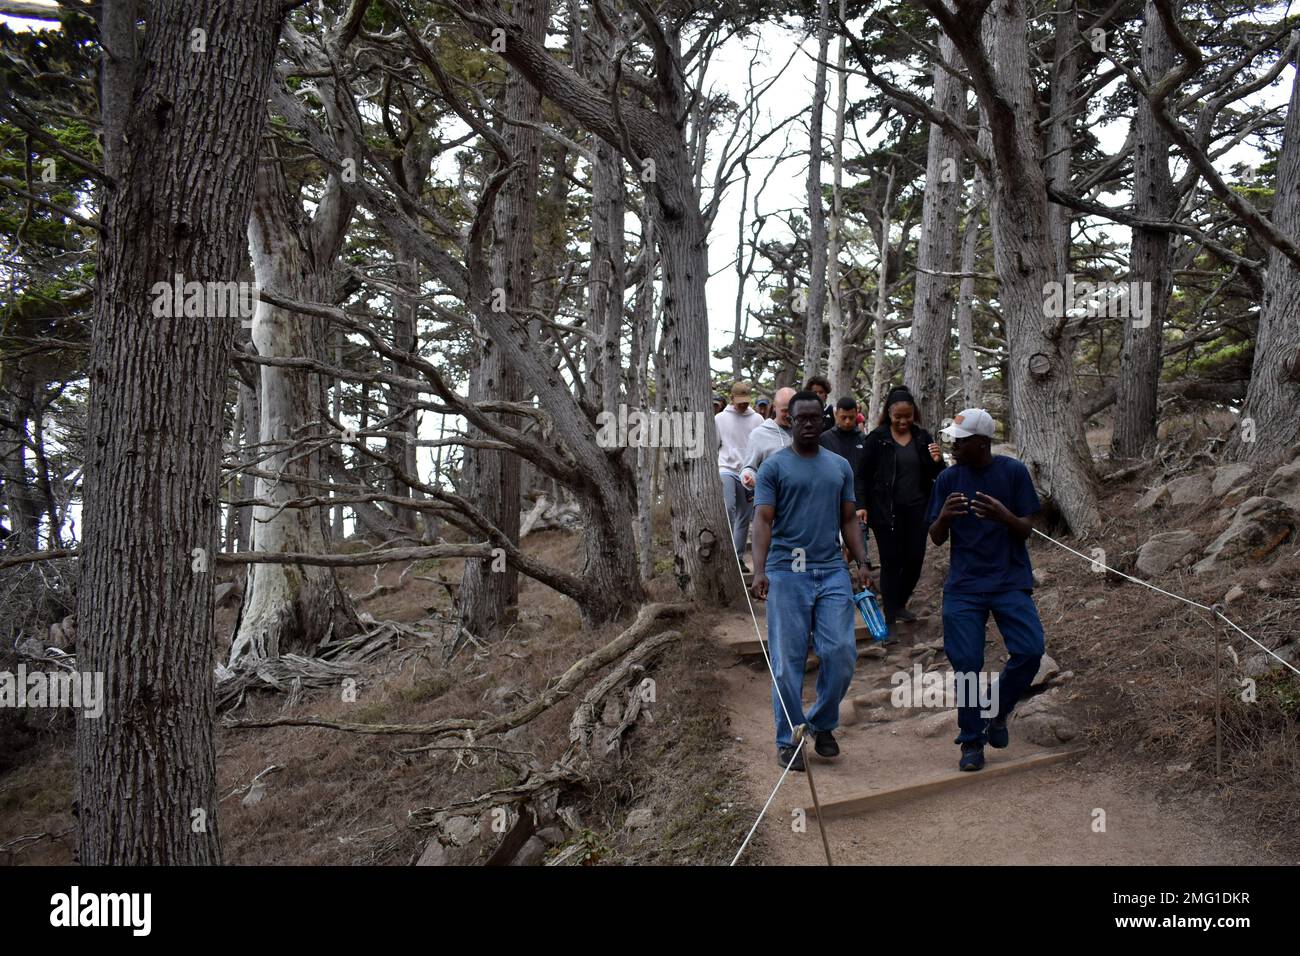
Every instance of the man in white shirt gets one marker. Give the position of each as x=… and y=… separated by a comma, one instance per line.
x=735, y=422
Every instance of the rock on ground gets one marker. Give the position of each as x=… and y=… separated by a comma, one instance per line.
x=531, y=853
x=1190, y=490
x=1284, y=484
x=1258, y=527
x=935, y=724
x=1228, y=477
x=1047, y=669
x=1041, y=720
x=1162, y=551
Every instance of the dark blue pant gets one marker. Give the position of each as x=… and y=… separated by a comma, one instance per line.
x=965, y=618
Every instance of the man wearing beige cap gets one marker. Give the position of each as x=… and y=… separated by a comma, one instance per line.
x=735, y=422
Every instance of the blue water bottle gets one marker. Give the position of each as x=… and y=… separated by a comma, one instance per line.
x=869, y=608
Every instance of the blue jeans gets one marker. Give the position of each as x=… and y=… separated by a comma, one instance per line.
x=965, y=617
x=820, y=602
x=740, y=510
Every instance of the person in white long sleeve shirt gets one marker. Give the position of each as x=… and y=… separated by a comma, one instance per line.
x=735, y=423
x=769, y=438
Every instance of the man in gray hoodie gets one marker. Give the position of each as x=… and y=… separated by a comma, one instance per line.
x=768, y=438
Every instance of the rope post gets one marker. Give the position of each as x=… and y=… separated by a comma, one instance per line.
x=801, y=740
x=1218, y=700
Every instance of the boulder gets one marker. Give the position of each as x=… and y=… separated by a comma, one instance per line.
x=1047, y=669
x=639, y=819
x=1228, y=477
x=848, y=713
x=1156, y=496
x=1257, y=665
x=932, y=725
x=63, y=634
x=531, y=853
x=1259, y=526
x=1041, y=720
x=1284, y=484
x=874, y=698
x=1163, y=551
x=1191, y=490
x=551, y=836
x=1236, y=496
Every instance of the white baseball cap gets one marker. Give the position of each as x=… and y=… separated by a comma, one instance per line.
x=972, y=421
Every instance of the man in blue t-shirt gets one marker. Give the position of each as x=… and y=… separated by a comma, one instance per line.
x=804, y=503
x=984, y=503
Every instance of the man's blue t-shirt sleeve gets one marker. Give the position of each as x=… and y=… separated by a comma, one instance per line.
x=1025, y=501
x=937, y=495
x=847, y=491
x=765, y=483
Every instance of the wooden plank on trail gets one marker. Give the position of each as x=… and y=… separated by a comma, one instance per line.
x=878, y=799
x=749, y=644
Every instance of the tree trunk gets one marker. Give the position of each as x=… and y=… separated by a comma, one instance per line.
x=812, y=345
x=1061, y=128
x=1269, y=423
x=925, y=370
x=289, y=607
x=972, y=382
x=837, y=369
x=877, y=403
x=147, y=765
x=250, y=408
x=20, y=496
x=488, y=597
x=401, y=447
x=1150, y=254
x=1045, y=413
x=643, y=347
x=606, y=275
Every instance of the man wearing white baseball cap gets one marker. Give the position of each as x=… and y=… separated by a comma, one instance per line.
x=984, y=503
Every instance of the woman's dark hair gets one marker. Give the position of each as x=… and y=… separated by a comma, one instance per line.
x=900, y=393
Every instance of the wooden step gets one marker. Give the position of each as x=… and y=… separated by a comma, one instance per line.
x=877, y=799
x=750, y=645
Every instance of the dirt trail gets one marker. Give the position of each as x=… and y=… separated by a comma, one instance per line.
x=1041, y=815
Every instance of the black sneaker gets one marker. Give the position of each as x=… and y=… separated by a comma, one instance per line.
x=972, y=757
x=997, y=732
x=824, y=743
x=905, y=615
x=784, y=755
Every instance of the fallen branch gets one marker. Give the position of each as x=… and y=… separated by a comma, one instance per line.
x=571, y=678
x=34, y=556
x=573, y=769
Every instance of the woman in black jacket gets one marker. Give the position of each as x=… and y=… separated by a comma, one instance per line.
x=899, y=466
